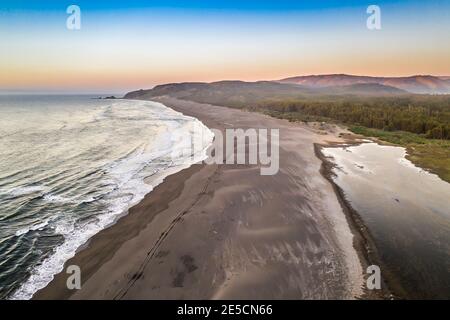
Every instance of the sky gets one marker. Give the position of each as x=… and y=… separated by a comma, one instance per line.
x=129, y=45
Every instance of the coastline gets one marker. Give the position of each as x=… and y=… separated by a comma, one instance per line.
x=109, y=271
x=393, y=278
x=363, y=243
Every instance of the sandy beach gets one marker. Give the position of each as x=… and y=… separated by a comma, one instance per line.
x=227, y=232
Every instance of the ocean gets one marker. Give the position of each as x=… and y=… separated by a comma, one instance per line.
x=71, y=166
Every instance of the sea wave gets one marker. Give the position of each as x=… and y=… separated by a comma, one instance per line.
x=19, y=191
x=34, y=227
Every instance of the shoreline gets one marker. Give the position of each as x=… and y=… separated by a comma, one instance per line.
x=144, y=214
x=392, y=279
x=364, y=242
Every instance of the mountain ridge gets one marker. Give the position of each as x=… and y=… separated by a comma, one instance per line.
x=420, y=84
x=261, y=89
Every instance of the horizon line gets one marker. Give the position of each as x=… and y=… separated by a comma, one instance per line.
x=105, y=91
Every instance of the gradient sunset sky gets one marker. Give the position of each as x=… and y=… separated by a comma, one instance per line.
x=127, y=45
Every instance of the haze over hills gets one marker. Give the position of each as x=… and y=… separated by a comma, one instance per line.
x=421, y=84
x=239, y=91
x=446, y=79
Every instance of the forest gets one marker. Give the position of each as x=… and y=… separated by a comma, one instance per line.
x=425, y=115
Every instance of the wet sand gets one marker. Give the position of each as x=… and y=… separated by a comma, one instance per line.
x=227, y=232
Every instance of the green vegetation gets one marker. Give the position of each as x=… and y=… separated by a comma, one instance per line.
x=424, y=115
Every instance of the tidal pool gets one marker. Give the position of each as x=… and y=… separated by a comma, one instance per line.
x=405, y=208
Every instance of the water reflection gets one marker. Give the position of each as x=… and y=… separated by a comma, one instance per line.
x=407, y=211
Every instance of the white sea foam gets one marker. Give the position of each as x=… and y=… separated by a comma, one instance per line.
x=128, y=175
x=19, y=191
x=35, y=227
x=57, y=198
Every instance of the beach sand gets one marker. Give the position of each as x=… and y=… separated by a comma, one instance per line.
x=227, y=232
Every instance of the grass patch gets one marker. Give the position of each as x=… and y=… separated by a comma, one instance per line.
x=297, y=116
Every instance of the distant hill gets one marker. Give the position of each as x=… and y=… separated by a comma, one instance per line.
x=218, y=91
x=240, y=91
x=414, y=84
x=446, y=79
